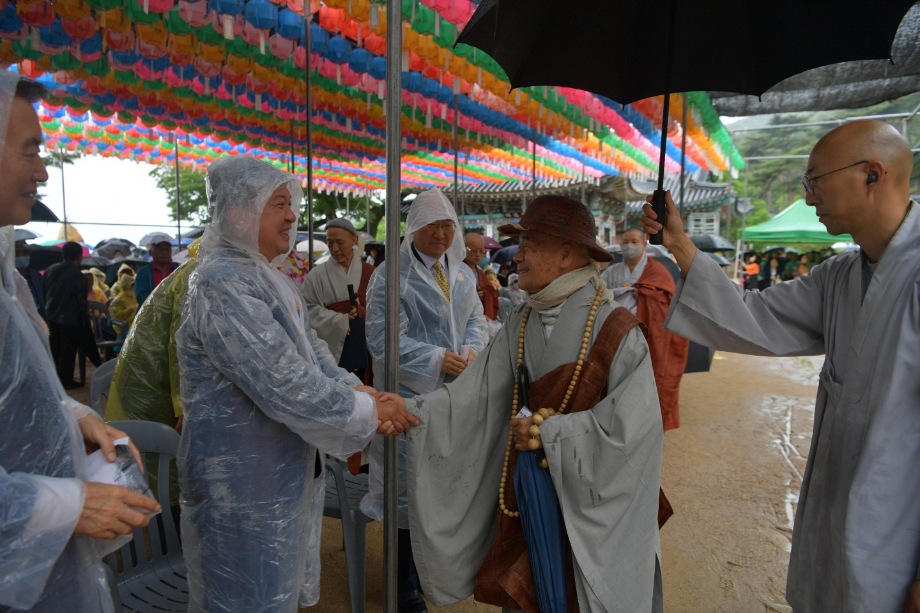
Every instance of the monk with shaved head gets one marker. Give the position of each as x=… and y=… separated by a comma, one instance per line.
x=856, y=538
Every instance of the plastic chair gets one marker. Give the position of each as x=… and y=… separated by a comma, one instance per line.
x=99, y=386
x=151, y=574
x=344, y=492
x=100, y=321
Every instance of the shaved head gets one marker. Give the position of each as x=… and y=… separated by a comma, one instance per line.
x=859, y=175
x=868, y=139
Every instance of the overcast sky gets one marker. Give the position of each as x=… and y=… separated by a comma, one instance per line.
x=105, y=191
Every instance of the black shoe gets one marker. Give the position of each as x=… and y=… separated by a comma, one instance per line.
x=411, y=602
x=69, y=385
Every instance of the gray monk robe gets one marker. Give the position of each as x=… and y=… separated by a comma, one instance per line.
x=325, y=290
x=856, y=540
x=605, y=464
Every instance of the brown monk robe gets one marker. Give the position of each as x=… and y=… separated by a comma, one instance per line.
x=505, y=578
x=668, y=351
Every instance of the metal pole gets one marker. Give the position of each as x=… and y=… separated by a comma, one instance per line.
x=307, y=19
x=391, y=350
x=683, y=156
x=178, y=196
x=456, y=138
x=533, y=168
x=63, y=191
x=292, y=144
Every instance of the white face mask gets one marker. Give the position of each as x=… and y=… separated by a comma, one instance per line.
x=631, y=251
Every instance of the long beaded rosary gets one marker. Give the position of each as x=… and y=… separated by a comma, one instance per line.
x=544, y=413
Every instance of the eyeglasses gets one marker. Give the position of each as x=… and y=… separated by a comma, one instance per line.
x=809, y=182
x=443, y=226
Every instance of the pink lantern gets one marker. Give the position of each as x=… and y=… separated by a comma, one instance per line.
x=195, y=14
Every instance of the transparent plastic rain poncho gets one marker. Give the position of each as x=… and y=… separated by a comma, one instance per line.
x=261, y=393
x=43, y=566
x=145, y=384
x=428, y=327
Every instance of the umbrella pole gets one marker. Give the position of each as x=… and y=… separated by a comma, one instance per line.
x=307, y=19
x=533, y=167
x=658, y=204
x=683, y=155
x=391, y=347
x=456, y=138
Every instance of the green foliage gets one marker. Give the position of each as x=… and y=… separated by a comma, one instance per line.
x=193, y=197
x=356, y=209
x=773, y=184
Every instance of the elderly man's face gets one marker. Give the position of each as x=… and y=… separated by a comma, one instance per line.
x=21, y=169
x=275, y=224
x=538, y=261
x=341, y=244
x=475, y=249
x=434, y=239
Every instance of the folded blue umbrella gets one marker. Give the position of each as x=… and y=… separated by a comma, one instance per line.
x=541, y=519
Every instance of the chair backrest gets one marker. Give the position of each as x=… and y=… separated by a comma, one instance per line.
x=151, y=438
x=98, y=315
x=99, y=386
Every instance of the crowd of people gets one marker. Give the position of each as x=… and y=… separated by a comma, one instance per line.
x=763, y=269
x=551, y=370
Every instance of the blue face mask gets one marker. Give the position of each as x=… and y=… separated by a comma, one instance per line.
x=23, y=261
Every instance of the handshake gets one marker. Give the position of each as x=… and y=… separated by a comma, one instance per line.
x=392, y=416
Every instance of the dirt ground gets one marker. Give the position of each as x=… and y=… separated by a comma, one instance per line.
x=732, y=472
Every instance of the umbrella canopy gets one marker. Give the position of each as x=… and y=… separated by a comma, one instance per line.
x=721, y=261
x=43, y=256
x=712, y=242
x=94, y=261
x=155, y=237
x=318, y=246
x=56, y=242
x=22, y=234
x=665, y=46
x=108, y=247
x=505, y=254
x=490, y=243
x=41, y=212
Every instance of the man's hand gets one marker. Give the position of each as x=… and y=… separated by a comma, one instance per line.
x=99, y=435
x=912, y=604
x=107, y=511
x=179, y=422
x=453, y=364
x=392, y=416
x=367, y=389
x=674, y=237
x=471, y=355
x=522, y=436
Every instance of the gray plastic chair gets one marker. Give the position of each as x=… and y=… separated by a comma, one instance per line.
x=151, y=575
x=344, y=492
x=99, y=386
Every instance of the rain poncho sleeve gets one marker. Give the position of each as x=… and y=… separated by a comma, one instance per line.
x=43, y=565
x=261, y=395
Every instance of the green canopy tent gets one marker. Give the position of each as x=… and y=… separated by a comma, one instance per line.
x=797, y=223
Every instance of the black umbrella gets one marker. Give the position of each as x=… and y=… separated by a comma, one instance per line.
x=42, y=256
x=41, y=212
x=110, y=246
x=628, y=50
x=721, y=261
x=712, y=242
x=505, y=254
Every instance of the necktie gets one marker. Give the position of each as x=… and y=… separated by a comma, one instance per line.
x=441, y=279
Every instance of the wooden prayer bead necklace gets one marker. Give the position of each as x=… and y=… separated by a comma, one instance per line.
x=544, y=413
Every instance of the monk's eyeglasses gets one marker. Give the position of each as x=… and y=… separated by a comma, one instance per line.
x=809, y=182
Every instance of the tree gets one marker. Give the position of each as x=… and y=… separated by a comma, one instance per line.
x=192, y=192
x=356, y=209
